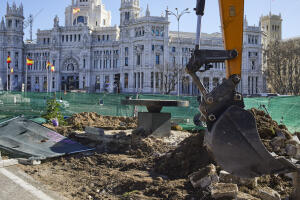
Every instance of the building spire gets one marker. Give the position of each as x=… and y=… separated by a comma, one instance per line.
x=147, y=11
x=2, y=25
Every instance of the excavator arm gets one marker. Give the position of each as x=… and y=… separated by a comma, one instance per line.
x=232, y=135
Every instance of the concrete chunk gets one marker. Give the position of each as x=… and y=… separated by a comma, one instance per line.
x=7, y=163
x=224, y=190
x=244, y=196
x=25, y=161
x=267, y=193
x=204, y=177
x=226, y=177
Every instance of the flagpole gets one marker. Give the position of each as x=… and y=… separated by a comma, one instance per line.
x=50, y=81
x=7, y=77
x=10, y=86
x=47, y=78
x=26, y=77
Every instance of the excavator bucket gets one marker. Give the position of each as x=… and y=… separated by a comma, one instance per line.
x=237, y=148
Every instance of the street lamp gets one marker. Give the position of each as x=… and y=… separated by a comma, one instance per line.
x=178, y=16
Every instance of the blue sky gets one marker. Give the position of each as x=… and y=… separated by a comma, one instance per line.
x=289, y=10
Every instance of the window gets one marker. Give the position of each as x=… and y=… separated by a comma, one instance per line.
x=152, y=80
x=62, y=38
x=53, y=83
x=127, y=16
x=9, y=24
x=67, y=38
x=138, y=60
x=71, y=38
x=173, y=49
x=157, y=59
x=83, y=82
x=79, y=36
x=126, y=80
x=97, y=83
x=107, y=37
x=75, y=38
x=16, y=60
x=126, y=61
x=84, y=63
x=253, y=65
x=152, y=47
x=134, y=80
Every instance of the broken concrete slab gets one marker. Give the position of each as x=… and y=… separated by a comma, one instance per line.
x=226, y=177
x=9, y=162
x=224, y=190
x=204, y=177
x=28, y=139
x=244, y=196
x=267, y=193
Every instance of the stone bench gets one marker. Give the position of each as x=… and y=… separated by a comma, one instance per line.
x=159, y=124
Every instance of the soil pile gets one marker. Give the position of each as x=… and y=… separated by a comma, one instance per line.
x=186, y=159
x=81, y=120
x=275, y=137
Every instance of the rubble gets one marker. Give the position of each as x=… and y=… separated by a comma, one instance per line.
x=226, y=177
x=129, y=164
x=204, y=177
x=267, y=193
x=244, y=196
x=224, y=190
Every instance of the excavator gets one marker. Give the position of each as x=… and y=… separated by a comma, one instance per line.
x=232, y=136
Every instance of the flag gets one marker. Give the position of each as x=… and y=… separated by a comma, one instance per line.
x=8, y=59
x=29, y=62
x=48, y=64
x=11, y=70
x=52, y=68
x=76, y=10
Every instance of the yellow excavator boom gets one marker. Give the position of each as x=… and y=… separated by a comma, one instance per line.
x=232, y=18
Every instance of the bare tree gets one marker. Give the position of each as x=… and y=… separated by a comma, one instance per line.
x=171, y=74
x=283, y=66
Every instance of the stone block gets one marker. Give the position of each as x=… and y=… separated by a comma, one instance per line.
x=204, y=177
x=226, y=177
x=159, y=124
x=7, y=163
x=25, y=161
x=94, y=131
x=244, y=196
x=278, y=142
x=291, y=150
x=267, y=193
x=224, y=190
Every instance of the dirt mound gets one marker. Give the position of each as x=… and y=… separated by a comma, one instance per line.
x=275, y=137
x=107, y=176
x=267, y=127
x=81, y=120
x=187, y=158
x=150, y=146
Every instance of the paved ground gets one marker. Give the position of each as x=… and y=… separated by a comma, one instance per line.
x=16, y=185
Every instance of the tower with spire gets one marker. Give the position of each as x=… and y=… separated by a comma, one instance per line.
x=11, y=37
x=129, y=10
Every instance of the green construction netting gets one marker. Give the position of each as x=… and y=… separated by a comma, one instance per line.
x=283, y=109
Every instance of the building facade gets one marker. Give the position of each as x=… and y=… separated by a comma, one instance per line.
x=138, y=56
x=271, y=26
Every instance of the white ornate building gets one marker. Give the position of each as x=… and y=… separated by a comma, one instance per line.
x=88, y=53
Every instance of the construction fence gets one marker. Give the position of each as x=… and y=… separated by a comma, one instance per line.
x=284, y=110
